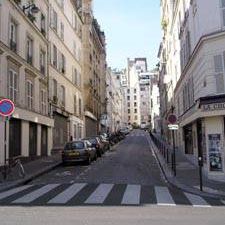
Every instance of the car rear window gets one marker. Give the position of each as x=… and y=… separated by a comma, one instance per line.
x=74, y=145
x=93, y=141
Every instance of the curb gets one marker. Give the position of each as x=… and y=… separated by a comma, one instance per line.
x=173, y=182
x=30, y=177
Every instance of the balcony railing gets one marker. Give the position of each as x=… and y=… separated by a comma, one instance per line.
x=13, y=45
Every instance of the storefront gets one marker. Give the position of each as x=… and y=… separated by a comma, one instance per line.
x=203, y=130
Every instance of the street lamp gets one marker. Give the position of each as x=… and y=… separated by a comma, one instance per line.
x=32, y=7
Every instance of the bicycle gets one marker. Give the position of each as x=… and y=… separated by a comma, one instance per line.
x=13, y=167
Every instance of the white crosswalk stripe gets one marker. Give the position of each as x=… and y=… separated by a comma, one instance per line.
x=13, y=191
x=163, y=196
x=36, y=194
x=100, y=194
x=132, y=195
x=68, y=194
x=196, y=200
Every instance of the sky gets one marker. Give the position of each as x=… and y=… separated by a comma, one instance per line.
x=132, y=29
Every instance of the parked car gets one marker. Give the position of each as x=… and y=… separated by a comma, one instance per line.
x=78, y=151
x=125, y=130
x=96, y=143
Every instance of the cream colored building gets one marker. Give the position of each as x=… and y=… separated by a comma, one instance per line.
x=65, y=71
x=94, y=72
x=192, y=72
x=24, y=78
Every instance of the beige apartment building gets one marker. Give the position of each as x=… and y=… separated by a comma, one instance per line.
x=94, y=72
x=24, y=78
x=65, y=71
x=192, y=79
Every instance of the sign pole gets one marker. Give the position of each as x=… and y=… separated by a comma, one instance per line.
x=5, y=147
x=174, y=154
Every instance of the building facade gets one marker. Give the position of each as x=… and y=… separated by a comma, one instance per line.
x=193, y=70
x=94, y=72
x=65, y=71
x=24, y=78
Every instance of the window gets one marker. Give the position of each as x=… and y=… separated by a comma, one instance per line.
x=43, y=101
x=223, y=12
x=128, y=111
x=13, y=85
x=29, y=50
x=135, y=104
x=135, y=91
x=61, y=3
x=63, y=95
x=80, y=107
x=74, y=49
x=128, y=91
x=54, y=88
x=54, y=20
x=128, y=98
x=75, y=104
x=142, y=89
x=13, y=36
x=42, y=61
x=62, y=64
x=219, y=64
x=135, y=117
x=54, y=56
x=62, y=31
x=43, y=24
x=143, y=103
x=135, y=110
x=128, y=104
x=29, y=94
x=135, y=97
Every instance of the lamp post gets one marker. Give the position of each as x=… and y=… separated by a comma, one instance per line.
x=32, y=7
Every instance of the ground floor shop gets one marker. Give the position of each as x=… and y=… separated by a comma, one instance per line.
x=91, y=124
x=28, y=134
x=202, y=134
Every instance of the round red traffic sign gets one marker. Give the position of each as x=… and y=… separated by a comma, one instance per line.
x=6, y=107
x=172, y=119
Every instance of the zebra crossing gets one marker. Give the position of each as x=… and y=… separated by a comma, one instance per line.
x=102, y=194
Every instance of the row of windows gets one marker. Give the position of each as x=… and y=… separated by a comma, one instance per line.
x=58, y=60
x=135, y=111
x=13, y=92
x=135, y=97
x=29, y=44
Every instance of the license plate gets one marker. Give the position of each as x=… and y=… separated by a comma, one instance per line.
x=74, y=154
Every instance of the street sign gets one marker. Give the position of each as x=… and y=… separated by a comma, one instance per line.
x=172, y=118
x=173, y=126
x=6, y=107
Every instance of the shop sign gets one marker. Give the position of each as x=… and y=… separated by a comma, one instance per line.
x=215, y=155
x=213, y=107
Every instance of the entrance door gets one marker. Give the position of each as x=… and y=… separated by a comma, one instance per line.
x=14, y=137
x=44, y=143
x=188, y=139
x=33, y=139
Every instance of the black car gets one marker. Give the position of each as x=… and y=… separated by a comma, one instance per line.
x=96, y=143
x=78, y=151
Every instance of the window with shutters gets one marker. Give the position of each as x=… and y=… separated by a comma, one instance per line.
x=219, y=73
x=63, y=95
x=43, y=101
x=54, y=20
x=13, y=86
x=54, y=56
x=13, y=36
x=54, y=91
x=42, y=62
x=223, y=12
x=62, y=64
x=29, y=46
x=75, y=105
x=29, y=94
x=80, y=107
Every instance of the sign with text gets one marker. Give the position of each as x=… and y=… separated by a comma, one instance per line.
x=213, y=107
x=173, y=126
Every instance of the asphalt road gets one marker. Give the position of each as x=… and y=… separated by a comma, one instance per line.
x=126, y=182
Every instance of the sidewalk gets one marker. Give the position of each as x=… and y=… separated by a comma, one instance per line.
x=187, y=175
x=33, y=169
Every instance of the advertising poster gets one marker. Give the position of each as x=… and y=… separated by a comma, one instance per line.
x=215, y=157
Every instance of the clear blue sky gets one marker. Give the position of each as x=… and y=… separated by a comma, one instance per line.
x=132, y=29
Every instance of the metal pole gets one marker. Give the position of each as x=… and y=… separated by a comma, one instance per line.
x=200, y=162
x=5, y=146
x=174, y=154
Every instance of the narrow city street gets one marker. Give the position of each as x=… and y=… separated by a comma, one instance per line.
x=129, y=174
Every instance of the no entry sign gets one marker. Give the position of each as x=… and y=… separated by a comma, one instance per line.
x=6, y=107
x=172, y=118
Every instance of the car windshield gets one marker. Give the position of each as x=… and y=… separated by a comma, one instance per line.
x=74, y=145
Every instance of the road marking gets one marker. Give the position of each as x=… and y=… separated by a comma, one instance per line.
x=132, y=195
x=196, y=200
x=100, y=194
x=163, y=196
x=8, y=193
x=36, y=194
x=68, y=194
x=223, y=201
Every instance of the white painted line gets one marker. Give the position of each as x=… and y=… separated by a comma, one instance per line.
x=100, y=194
x=196, y=200
x=223, y=201
x=36, y=194
x=8, y=193
x=163, y=196
x=68, y=194
x=132, y=195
